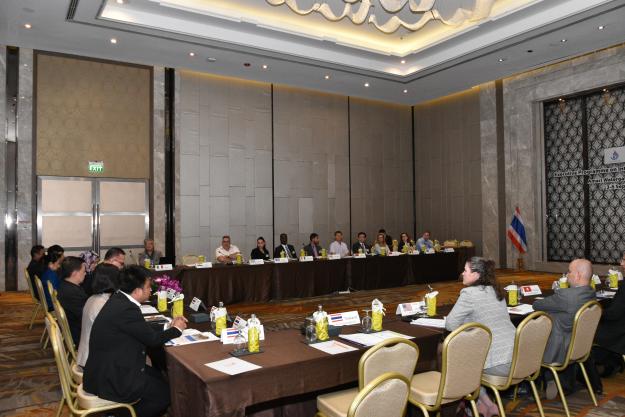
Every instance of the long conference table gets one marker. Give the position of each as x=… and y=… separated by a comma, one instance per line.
x=274, y=281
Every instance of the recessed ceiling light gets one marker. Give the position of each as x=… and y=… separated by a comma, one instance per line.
x=403, y=61
x=265, y=66
x=601, y=27
x=366, y=84
x=327, y=77
x=113, y=40
x=405, y=91
x=560, y=99
x=191, y=53
x=563, y=40
x=120, y=1
x=211, y=59
x=605, y=90
x=28, y=25
x=501, y=60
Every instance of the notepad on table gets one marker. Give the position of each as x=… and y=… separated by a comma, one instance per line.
x=438, y=323
x=370, y=339
x=232, y=366
x=190, y=336
x=148, y=309
x=521, y=309
x=333, y=347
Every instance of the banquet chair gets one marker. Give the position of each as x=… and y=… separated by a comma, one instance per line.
x=529, y=347
x=386, y=395
x=464, y=354
x=33, y=297
x=66, y=334
x=79, y=402
x=395, y=355
x=584, y=328
x=189, y=260
x=44, y=304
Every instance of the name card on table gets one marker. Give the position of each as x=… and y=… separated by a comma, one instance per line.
x=448, y=250
x=530, y=290
x=195, y=304
x=202, y=265
x=360, y=255
x=596, y=279
x=171, y=294
x=429, y=251
x=257, y=262
x=164, y=267
x=395, y=253
x=228, y=335
x=306, y=259
x=410, y=309
x=334, y=256
x=344, y=319
x=416, y=252
x=281, y=260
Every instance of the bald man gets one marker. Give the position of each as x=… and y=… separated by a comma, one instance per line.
x=562, y=307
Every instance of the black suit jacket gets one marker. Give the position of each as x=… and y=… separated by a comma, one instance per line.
x=611, y=331
x=73, y=298
x=257, y=254
x=356, y=246
x=309, y=250
x=278, y=249
x=115, y=369
x=36, y=269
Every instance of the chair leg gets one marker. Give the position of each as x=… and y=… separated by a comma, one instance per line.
x=32, y=319
x=561, y=392
x=516, y=391
x=590, y=390
x=502, y=412
x=539, y=404
x=59, y=409
x=423, y=409
x=45, y=342
x=474, y=408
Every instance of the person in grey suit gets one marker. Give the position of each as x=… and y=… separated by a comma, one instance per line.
x=483, y=302
x=313, y=249
x=562, y=307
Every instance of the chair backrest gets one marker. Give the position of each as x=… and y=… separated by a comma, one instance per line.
x=42, y=294
x=464, y=355
x=386, y=395
x=584, y=328
x=60, y=357
x=529, y=345
x=52, y=292
x=63, y=324
x=30, y=286
x=392, y=355
x=190, y=259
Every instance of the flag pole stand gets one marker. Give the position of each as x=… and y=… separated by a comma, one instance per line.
x=519, y=264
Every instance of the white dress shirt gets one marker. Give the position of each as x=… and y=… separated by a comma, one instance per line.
x=220, y=251
x=340, y=248
x=90, y=311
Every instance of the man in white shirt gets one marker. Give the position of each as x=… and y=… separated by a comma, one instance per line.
x=226, y=252
x=338, y=246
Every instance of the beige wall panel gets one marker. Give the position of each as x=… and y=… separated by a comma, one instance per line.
x=67, y=231
x=90, y=110
x=121, y=230
x=122, y=196
x=66, y=196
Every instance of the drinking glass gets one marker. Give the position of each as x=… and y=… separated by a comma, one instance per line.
x=239, y=342
x=311, y=332
x=366, y=322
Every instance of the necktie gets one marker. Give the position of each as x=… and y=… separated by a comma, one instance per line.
x=286, y=251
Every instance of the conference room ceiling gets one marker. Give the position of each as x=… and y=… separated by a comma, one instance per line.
x=402, y=51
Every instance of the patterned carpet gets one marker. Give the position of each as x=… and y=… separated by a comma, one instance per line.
x=29, y=384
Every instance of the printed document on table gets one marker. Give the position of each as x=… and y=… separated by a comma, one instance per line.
x=333, y=347
x=438, y=323
x=370, y=339
x=232, y=366
x=190, y=336
x=148, y=309
x=521, y=309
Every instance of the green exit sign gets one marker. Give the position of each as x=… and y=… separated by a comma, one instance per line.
x=96, y=167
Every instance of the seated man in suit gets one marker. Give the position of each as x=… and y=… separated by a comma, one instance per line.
x=361, y=243
x=149, y=253
x=338, y=246
x=425, y=241
x=562, y=307
x=71, y=295
x=37, y=265
x=116, y=368
x=313, y=249
x=289, y=250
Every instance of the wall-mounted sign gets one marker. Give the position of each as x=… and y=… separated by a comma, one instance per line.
x=614, y=155
x=96, y=167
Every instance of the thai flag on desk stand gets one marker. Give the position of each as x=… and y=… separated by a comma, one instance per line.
x=516, y=232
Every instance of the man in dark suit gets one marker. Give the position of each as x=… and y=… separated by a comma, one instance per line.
x=36, y=266
x=361, y=244
x=313, y=248
x=116, y=368
x=71, y=295
x=562, y=307
x=289, y=250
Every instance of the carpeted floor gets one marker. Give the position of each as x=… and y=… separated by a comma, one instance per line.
x=29, y=383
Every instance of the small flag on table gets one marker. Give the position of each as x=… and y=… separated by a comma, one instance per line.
x=516, y=232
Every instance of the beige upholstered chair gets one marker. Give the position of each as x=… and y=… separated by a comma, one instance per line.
x=33, y=297
x=392, y=355
x=464, y=354
x=529, y=347
x=189, y=260
x=584, y=328
x=44, y=303
x=79, y=402
x=386, y=395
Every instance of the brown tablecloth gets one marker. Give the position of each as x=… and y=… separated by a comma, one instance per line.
x=290, y=369
x=248, y=283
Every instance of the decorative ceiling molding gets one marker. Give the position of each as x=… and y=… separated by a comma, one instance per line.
x=423, y=11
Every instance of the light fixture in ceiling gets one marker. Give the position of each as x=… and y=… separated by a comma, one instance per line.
x=601, y=27
x=191, y=54
x=265, y=66
x=28, y=26
x=563, y=40
x=120, y=1
x=366, y=84
x=403, y=61
x=113, y=41
x=405, y=91
x=211, y=59
x=501, y=59
x=327, y=77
